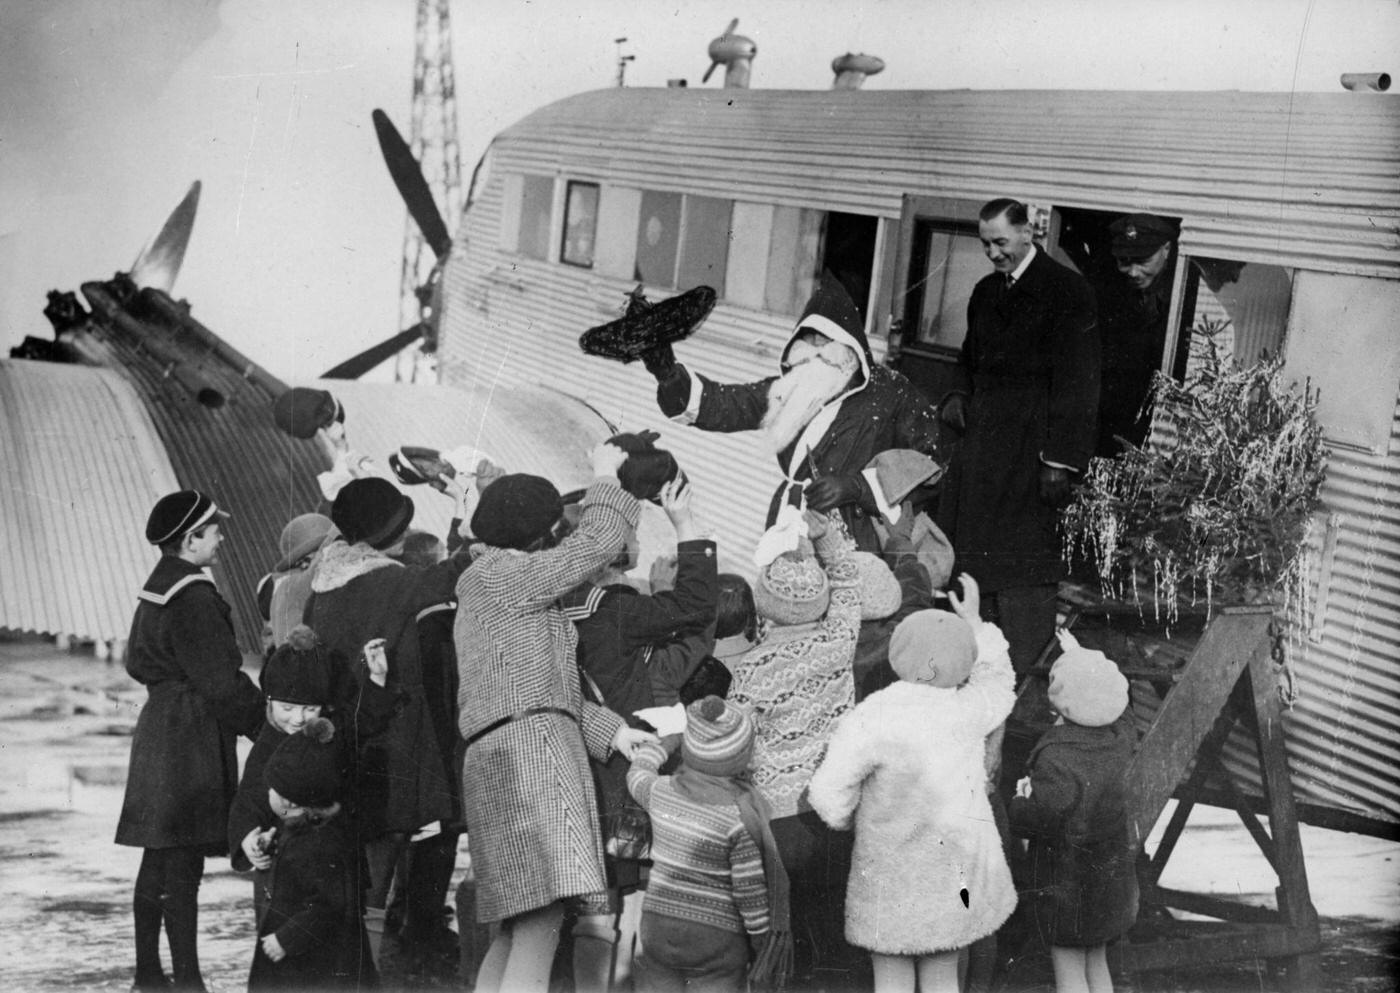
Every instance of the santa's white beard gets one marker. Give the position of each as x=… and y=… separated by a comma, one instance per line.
x=797, y=395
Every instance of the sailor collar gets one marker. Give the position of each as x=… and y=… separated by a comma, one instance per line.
x=172, y=575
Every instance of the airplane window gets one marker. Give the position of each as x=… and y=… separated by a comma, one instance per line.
x=580, y=224
x=536, y=208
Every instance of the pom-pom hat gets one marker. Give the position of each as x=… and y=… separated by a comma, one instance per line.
x=305, y=768
x=177, y=514
x=933, y=647
x=299, y=671
x=371, y=510
x=718, y=737
x=1086, y=687
x=516, y=511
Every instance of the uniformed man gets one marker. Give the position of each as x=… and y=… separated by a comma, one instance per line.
x=1133, y=306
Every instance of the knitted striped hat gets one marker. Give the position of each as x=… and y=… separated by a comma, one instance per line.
x=718, y=738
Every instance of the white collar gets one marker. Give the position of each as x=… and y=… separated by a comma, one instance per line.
x=1020, y=270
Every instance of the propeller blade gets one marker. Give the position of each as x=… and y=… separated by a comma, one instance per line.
x=357, y=365
x=408, y=178
x=732, y=25
x=159, y=262
x=709, y=72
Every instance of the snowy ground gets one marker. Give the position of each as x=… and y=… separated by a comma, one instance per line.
x=65, y=723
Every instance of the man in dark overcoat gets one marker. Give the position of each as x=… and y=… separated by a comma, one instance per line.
x=184, y=768
x=1030, y=364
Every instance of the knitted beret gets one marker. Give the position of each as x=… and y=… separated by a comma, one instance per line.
x=371, y=510
x=1087, y=688
x=177, y=514
x=517, y=510
x=299, y=671
x=718, y=737
x=305, y=768
x=793, y=588
x=880, y=592
x=933, y=647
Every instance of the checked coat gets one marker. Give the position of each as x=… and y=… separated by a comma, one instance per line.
x=532, y=816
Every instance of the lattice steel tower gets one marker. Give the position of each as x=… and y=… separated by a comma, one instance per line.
x=433, y=140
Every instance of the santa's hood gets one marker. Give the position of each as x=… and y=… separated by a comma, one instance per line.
x=832, y=312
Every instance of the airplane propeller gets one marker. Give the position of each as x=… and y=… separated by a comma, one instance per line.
x=714, y=51
x=407, y=174
x=159, y=263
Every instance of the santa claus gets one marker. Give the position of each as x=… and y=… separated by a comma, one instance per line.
x=830, y=410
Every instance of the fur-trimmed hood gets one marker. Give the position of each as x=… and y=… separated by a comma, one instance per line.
x=340, y=563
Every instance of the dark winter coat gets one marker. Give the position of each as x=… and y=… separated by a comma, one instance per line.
x=882, y=411
x=1031, y=361
x=619, y=632
x=184, y=769
x=359, y=594
x=314, y=906
x=1132, y=329
x=1084, y=883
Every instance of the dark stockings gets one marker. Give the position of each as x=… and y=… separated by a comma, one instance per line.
x=167, y=888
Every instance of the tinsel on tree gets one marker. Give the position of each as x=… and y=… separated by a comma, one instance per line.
x=1218, y=504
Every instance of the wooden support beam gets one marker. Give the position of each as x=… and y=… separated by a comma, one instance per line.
x=1294, y=900
x=1257, y=941
x=1189, y=712
x=1211, y=906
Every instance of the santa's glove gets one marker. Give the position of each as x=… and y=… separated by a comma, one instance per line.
x=831, y=492
x=672, y=391
x=660, y=361
x=953, y=411
x=1054, y=486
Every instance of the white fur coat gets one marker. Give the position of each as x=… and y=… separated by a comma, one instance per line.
x=928, y=873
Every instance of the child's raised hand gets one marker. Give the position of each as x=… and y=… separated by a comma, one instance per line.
x=607, y=459
x=628, y=740
x=377, y=659
x=272, y=948
x=969, y=605
x=1023, y=787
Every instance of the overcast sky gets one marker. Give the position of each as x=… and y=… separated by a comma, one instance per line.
x=110, y=108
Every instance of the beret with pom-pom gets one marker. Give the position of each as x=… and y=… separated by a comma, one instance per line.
x=302, y=639
x=305, y=769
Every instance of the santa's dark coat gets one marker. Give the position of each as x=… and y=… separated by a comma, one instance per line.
x=886, y=411
x=314, y=907
x=1084, y=889
x=184, y=769
x=358, y=595
x=1031, y=362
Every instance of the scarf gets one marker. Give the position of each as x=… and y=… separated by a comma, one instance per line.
x=773, y=963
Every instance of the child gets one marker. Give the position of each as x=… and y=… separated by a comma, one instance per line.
x=717, y=882
x=1085, y=890
x=311, y=936
x=297, y=682
x=928, y=876
x=531, y=810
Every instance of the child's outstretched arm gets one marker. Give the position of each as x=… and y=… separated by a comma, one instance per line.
x=646, y=760
x=990, y=690
x=834, y=791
